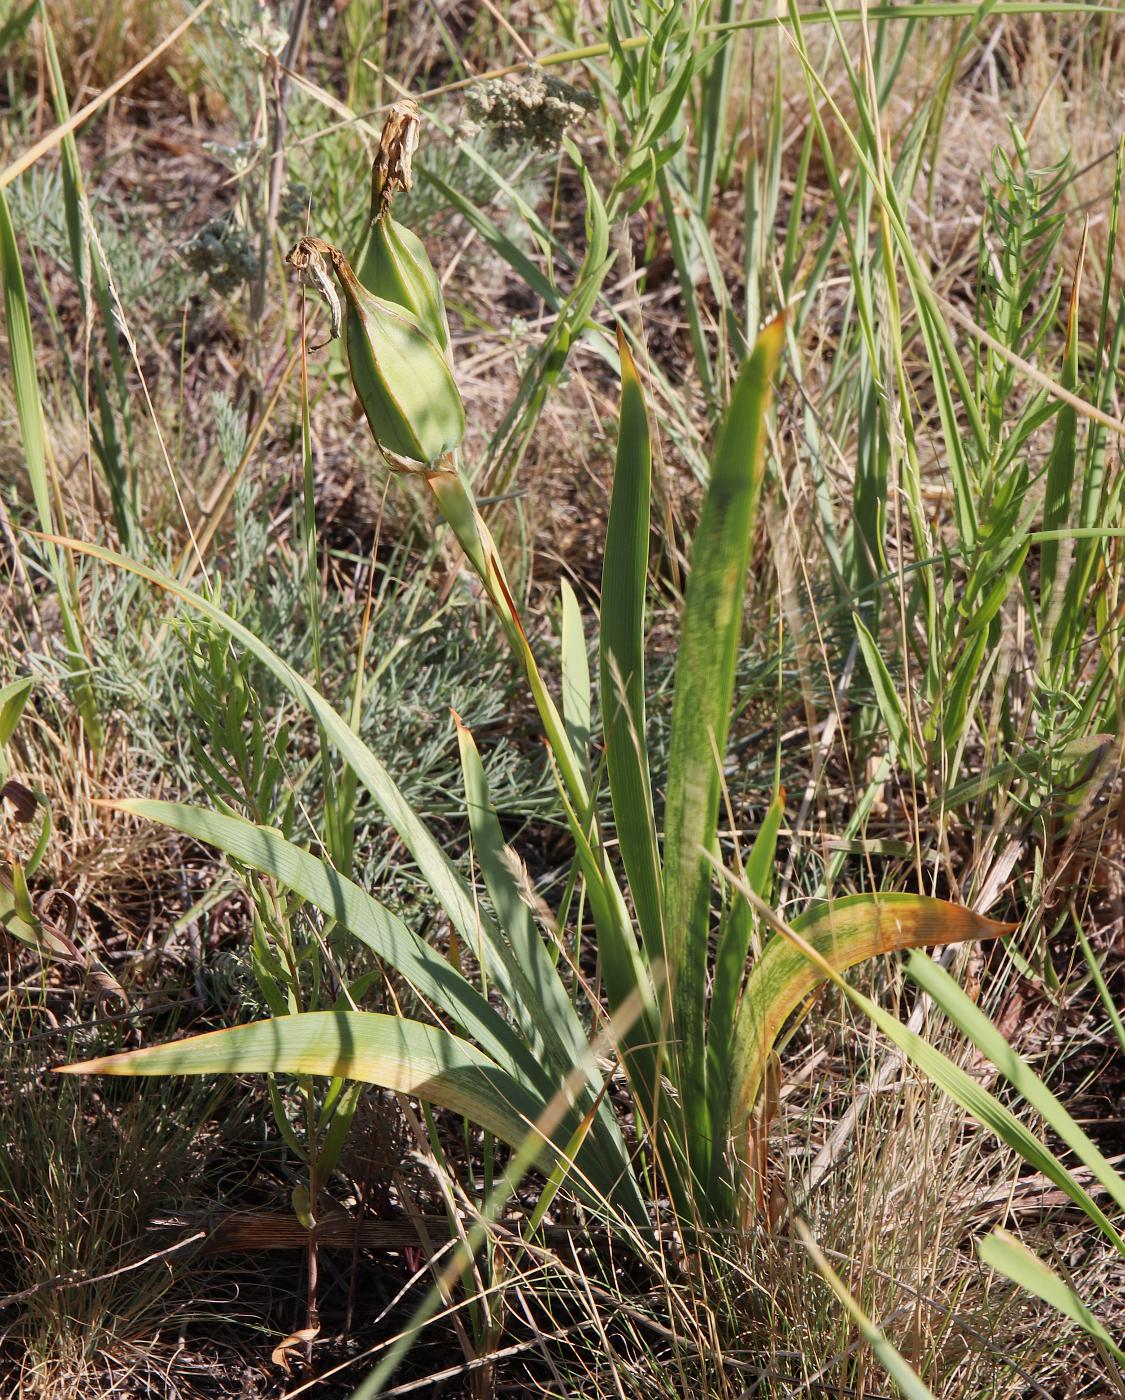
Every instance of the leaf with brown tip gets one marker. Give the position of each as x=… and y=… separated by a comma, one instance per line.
x=844, y=932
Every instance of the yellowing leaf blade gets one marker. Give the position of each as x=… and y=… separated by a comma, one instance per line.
x=391, y=1051
x=845, y=932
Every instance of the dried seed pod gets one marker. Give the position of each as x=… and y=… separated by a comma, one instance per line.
x=401, y=377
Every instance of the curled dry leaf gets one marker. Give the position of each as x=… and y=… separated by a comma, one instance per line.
x=18, y=803
x=281, y=1353
x=46, y=922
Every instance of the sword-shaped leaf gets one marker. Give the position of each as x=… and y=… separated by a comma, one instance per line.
x=701, y=710
x=843, y=933
x=624, y=578
x=391, y=1051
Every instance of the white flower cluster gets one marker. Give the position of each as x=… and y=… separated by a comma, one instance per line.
x=536, y=110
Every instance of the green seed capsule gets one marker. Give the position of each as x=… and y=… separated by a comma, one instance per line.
x=394, y=265
x=393, y=262
x=401, y=376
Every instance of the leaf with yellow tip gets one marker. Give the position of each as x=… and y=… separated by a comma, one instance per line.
x=845, y=932
x=395, y=1053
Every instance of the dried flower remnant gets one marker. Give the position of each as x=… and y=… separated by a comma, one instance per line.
x=308, y=257
x=391, y=169
x=536, y=110
x=393, y=262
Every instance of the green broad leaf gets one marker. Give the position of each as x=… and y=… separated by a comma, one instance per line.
x=521, y=966
x=958, y=691
x=16, y=915
x=391, y=1051
x=576, y=697
x=340, y=1125
x=726, y=987
x=701, y=713
x=622, y=660
x=625, y=973
x=971, y=1020
x=13, y=697
x=906, y=747
x=1002, y=573
x=1008, y=1256
x=727, y=983
x=667, y=104
x=474, y=926
x=841, y=934
x=763, y=853
x=623, y=966
x=448, y=886
x=734, y=942
x=433, y=977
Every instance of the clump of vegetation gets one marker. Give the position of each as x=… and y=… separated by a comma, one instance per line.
x=221, y=252
x=536, y=110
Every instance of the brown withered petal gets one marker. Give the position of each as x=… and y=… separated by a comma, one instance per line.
x=391, y=171
x=18, y=803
